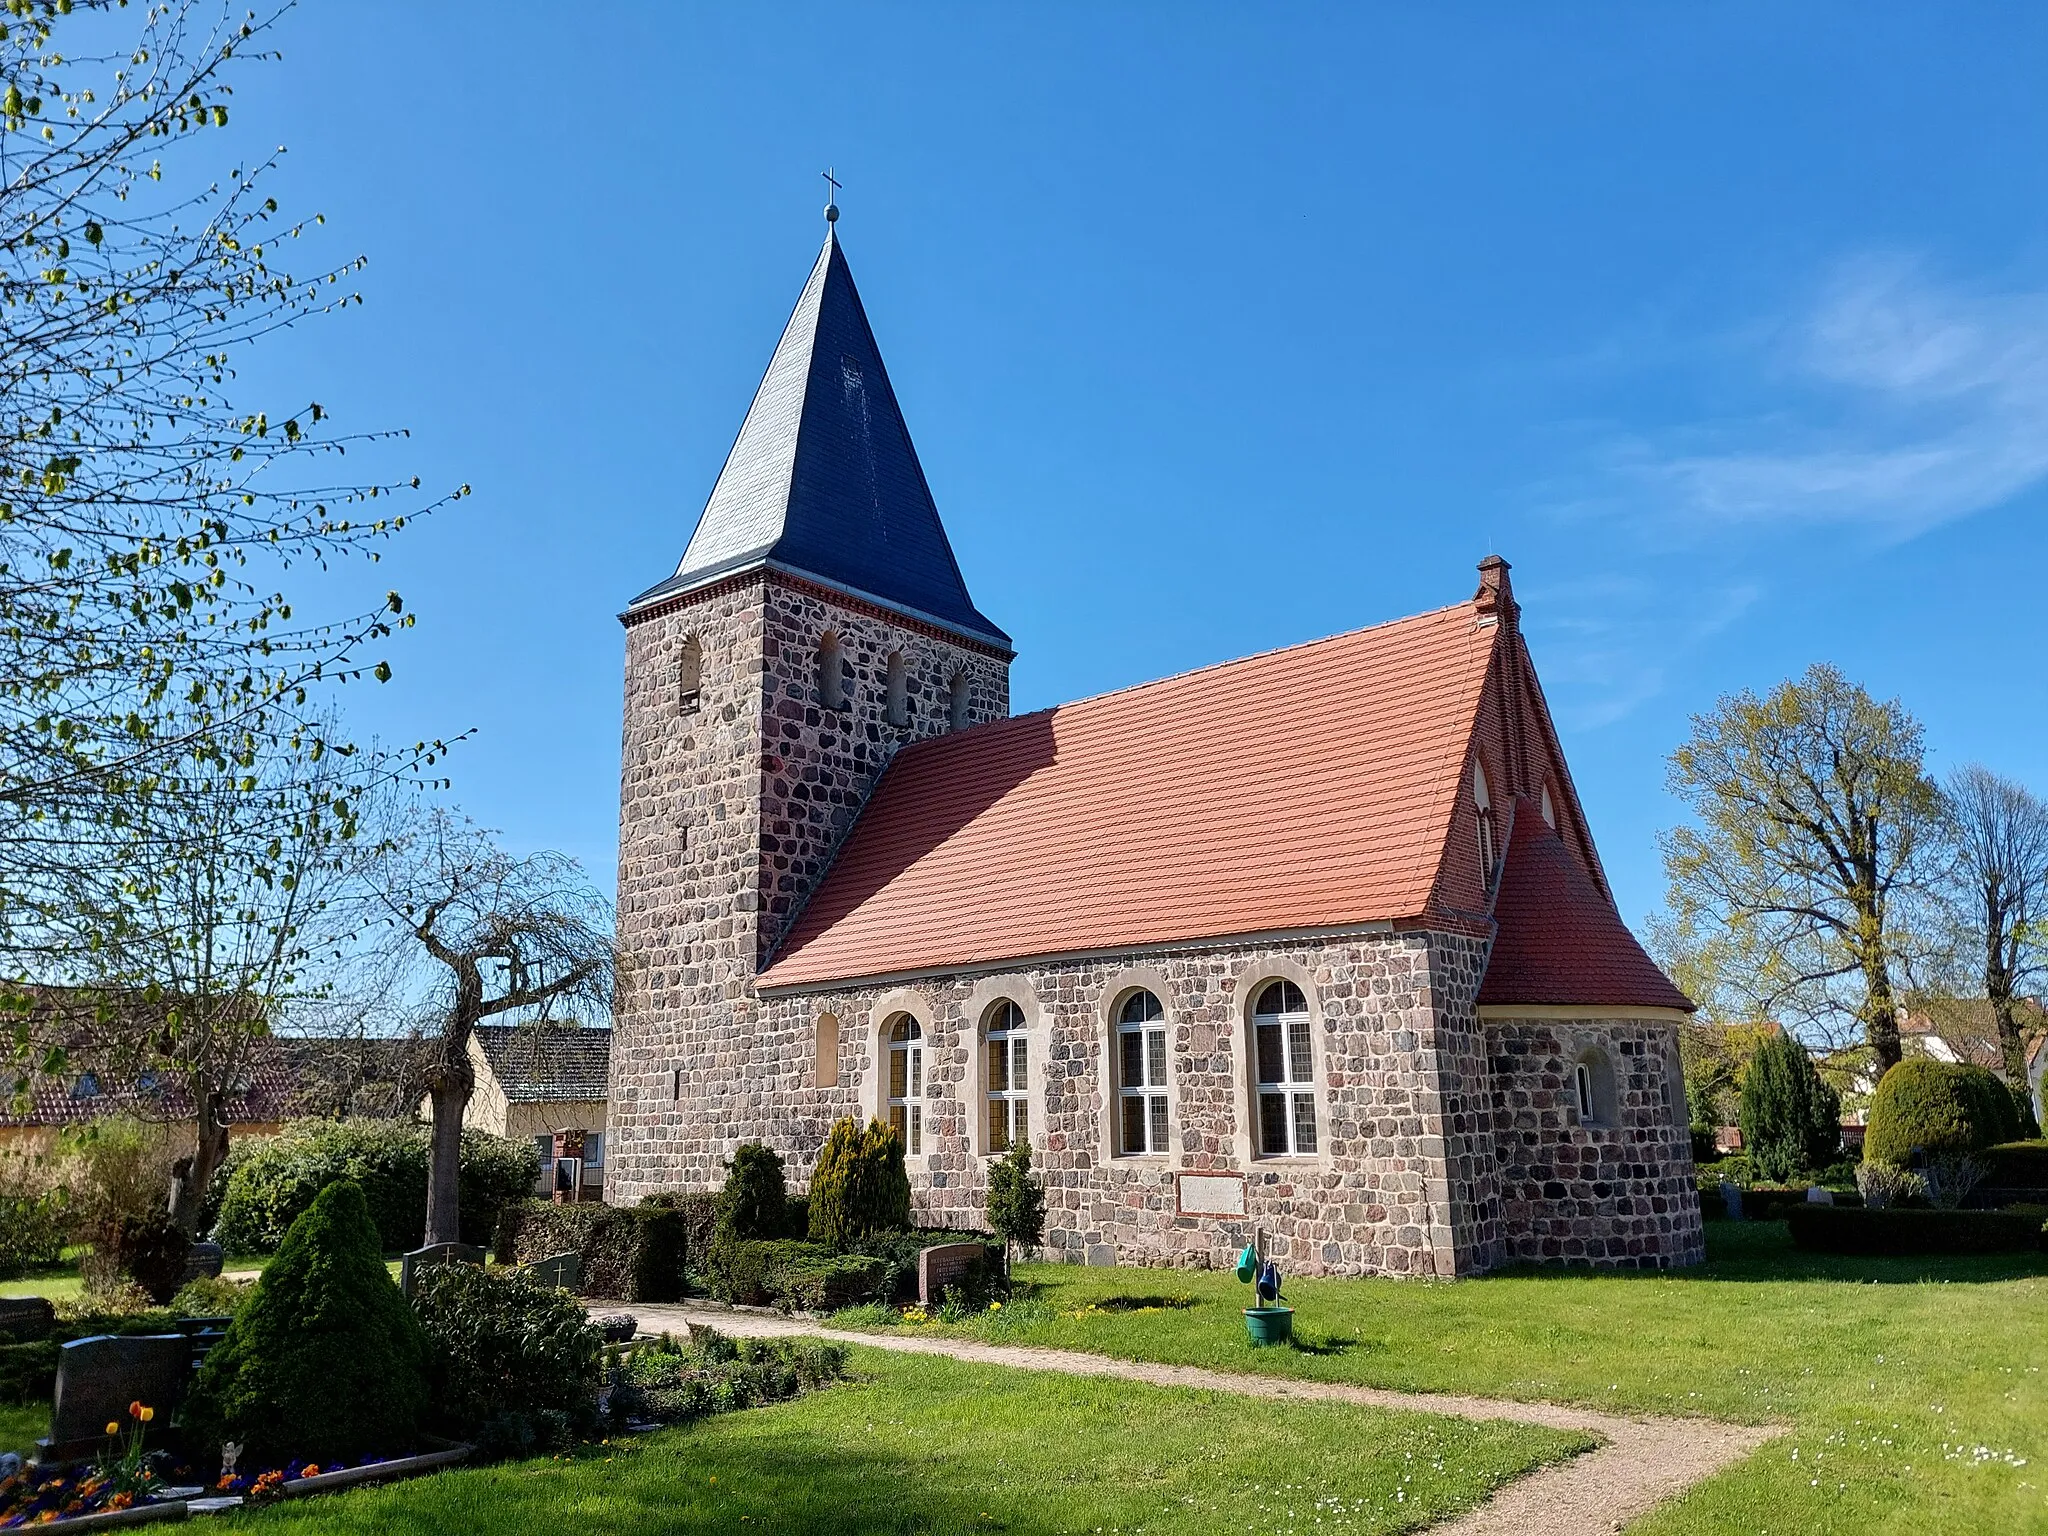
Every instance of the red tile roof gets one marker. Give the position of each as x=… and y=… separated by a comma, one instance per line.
x=262, y=1097
x=1302, y=789
x=1561, y=943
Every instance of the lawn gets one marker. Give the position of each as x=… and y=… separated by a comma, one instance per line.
x=931, y=1445
x=1912, y=1389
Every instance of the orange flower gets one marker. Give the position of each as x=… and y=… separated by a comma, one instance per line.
x=310, y=1472
x=121, y=1500
x=147, y=1414
x=135, y=1409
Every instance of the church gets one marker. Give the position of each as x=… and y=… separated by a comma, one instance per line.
x=1314, y=945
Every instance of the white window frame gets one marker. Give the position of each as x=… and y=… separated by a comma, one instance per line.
x=1294, y=1089
x=1007, y=1077
x=904, y=1037
x=1482, y=802
x=1155, y=1115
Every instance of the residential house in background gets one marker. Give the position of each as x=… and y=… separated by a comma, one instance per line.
x=534, y=1080
x=30, y=1125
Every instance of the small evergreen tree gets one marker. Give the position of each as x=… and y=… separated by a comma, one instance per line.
x=326, y=1361
x=859, y=1186
x=1791, y=1119
x=1016, y=1202
x=755, y=1197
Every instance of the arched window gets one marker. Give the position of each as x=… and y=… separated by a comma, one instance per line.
x=1141, y=1074
x=1285, y=1072
x=1009, y=1078
x=690, y=676
x=1482, y=804
x=1549, y=810
x=906, y=1082
x=1593, y=1087
x=828, y=1050
x=958, y=701
x=899, y=691
x=831, y=673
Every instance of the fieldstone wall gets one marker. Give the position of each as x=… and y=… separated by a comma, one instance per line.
x=1618, y=1195
x=731, y=802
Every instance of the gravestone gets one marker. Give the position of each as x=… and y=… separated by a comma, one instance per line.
x=434, y=1253
x=24, y=1319
x=564, y=1271
x=1816, y=1195
x=204, y=1259
x=1732, y=1195
x=945, y=1264
x=97, y=1378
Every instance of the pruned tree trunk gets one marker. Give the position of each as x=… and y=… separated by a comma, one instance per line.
x=2012, y=1050
x=195, y=1174
x=450, y=1098
x=1881, y=1016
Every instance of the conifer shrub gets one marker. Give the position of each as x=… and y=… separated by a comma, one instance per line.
x=860, y=1186
x=326, y=1361
x=1016, y=1201
x=1936, y=1107
x=1791, y=1119
x=755, y=1196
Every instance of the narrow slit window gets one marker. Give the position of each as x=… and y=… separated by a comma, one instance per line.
x=690, y=677
x=831, y=673
x=898, y=694
x=1482, y=805
x=958, y=701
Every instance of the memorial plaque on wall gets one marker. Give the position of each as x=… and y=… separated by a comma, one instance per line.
x=1211, y=1194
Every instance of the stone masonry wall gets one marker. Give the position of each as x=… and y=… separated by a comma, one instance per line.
x=1618, y=1195
x=1370, y=1201
x=730, y=807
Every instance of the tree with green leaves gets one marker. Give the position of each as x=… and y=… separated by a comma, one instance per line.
x=1016, y=1202
x=1791, y=1119
x=1814, y=820
x=150, y=516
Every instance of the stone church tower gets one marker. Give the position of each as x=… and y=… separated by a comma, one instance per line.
x=816, y=623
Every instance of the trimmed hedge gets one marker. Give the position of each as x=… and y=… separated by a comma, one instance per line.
x=1938, y=1107
x=699, y=1211
x=272, y=1181
x=629, y=1253
x=2018, y=1165
x=515, y=1362
x=792, y=1274
x=1897, y=1232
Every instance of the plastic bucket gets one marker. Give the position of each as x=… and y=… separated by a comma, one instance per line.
x=1269, y=1325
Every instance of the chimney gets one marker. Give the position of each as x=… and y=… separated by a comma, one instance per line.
x=1496, y=596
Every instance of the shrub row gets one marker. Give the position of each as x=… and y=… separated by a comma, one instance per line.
x=671, y=1382
x=268, y=1183
x=515, y=1364
x=629, y=1253
x=2018, y=1165
x=792, y=1273
x=1827, y=1229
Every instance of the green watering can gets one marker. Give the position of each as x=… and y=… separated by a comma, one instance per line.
x=1248, y=1264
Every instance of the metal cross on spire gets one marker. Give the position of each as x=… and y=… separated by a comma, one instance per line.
x=831, y=202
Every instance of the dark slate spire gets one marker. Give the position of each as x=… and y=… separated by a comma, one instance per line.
x=823, y=481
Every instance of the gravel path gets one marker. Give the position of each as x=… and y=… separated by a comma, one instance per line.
x=1643, y=1462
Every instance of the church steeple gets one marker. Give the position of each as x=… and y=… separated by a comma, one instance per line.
x=823, y=482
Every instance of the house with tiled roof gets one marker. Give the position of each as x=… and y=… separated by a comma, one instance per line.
x=1314, y=946
x=535, y=1080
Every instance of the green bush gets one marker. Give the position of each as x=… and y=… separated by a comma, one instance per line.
x=326, y=1361
x=1016, y=1200
x=273, y=1180
x=699, y=1212
x=824, y=1283
x=211, y=1296
x=629, y=1253
x=859, y=1186
x=1791, y=1120
x=673, y=1382
x=507, y=1348
x=736, y=1269
x=150, y=1250
x=1899, y=1232
x=898, y=1252
x=1935, y=1107
x=33, y=1226
x=755, y=1194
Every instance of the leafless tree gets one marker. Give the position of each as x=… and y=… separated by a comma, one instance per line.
x=496, y=936
x=1997, y=832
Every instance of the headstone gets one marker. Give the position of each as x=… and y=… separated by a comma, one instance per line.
x=943, y=1265
x=24, y=1319
x=1816, y=1195
x=97, y=1378
x=204, y=1259
x=564, y=1271
x=434, y=1253
x=1732, y=1196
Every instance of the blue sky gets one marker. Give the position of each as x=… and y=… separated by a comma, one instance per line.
x=1216, y=330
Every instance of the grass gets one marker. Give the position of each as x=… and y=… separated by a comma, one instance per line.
x=20, y=1426
x=1912, y=1389
x=930, y=1445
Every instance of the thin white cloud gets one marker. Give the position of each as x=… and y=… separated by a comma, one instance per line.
x=1607, y=640
x=1913, y=402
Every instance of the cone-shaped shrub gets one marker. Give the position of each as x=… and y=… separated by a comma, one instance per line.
x=326, y=1361
x=1791, y=1120
x=755, y=1197
x=859, y=1186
